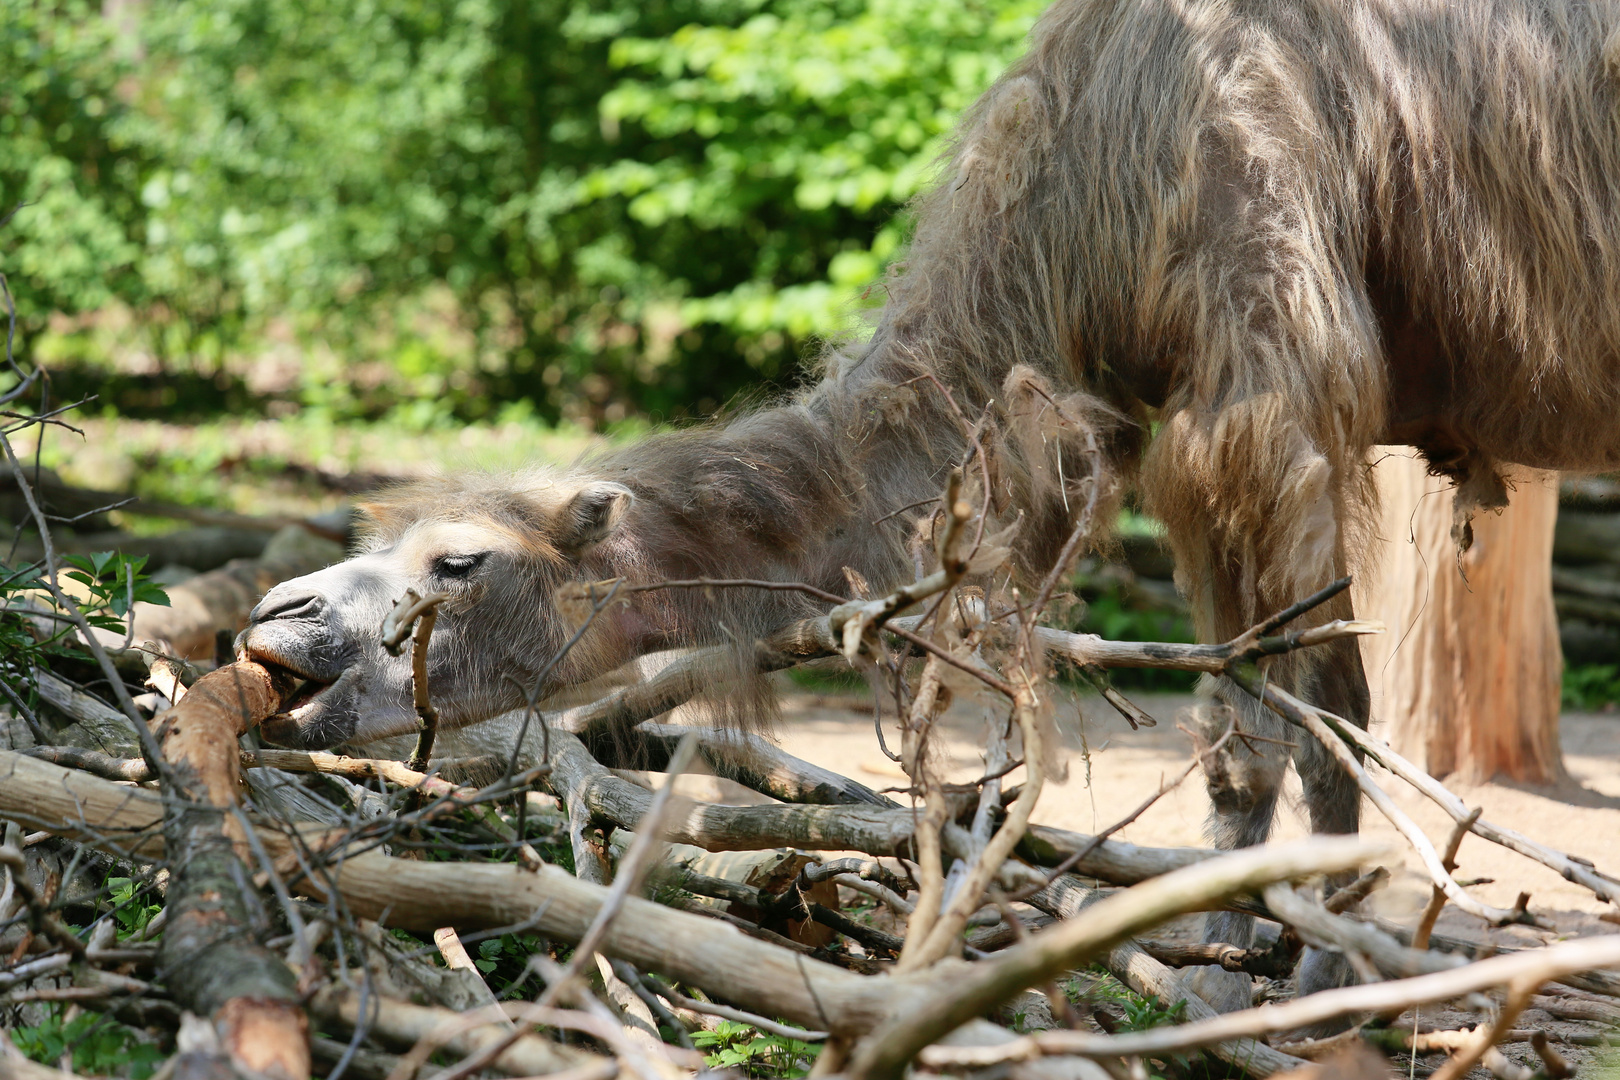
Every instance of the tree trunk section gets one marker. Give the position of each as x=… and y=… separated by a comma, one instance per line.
x=1467, y=677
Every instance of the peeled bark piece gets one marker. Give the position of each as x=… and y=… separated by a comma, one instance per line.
x=210, y=954
x=1469, y=676
x=220, y=600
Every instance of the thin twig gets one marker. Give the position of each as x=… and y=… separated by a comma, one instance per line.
x=726, y=1012
x=1425, y=927
x=1097, y=841
x=1485, y=1037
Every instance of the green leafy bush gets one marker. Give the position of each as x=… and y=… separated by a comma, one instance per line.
x=432, y=209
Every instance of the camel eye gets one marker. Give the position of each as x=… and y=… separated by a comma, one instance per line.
x=457, y=566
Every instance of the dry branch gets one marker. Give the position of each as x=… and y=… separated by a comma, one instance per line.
x=1226, y=658
x=213, y=964
x=98, y=725
x=578, y=778
x=692, y=674
x=1319, y=927
x=404, y=1024
x=914, y=1025
x=1310, y=718
x=1571, y=868
x=1532, y=967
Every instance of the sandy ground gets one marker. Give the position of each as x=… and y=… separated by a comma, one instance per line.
x=1113, y=769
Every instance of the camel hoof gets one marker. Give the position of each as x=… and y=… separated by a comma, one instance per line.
x=1322, y=970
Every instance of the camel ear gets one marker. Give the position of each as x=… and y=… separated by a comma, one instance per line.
x=591, y=515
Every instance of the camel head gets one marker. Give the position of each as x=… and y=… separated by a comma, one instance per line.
x=499, y=546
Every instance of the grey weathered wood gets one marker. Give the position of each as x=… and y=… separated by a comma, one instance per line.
x=576, y=776
x=760, y=764
x=96, y=725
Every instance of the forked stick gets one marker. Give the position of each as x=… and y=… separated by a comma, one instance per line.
x=1437, y=900
x=422, y=611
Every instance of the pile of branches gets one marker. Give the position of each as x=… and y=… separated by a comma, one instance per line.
x=277, y=916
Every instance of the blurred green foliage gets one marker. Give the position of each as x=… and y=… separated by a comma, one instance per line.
x=95, y=1042
x=1590, y=687
x=450, y=210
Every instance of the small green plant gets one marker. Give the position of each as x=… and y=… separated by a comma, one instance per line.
x=131, y=906
x=731, y=1045
x=1591, y=686
x=1140, y=1014
x=100, y=1045
x=504, y=960
x=112, y=582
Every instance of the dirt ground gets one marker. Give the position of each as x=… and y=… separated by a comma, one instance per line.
x=1112, y=769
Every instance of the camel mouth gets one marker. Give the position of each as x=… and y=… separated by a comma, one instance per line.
x=306, y=694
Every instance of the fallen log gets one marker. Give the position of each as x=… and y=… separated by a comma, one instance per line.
x=1587, y=608
x=580, y=780
x=1570, y=581
x=202, y=549
x=1586, y=539
x=95, y=811
x=67, y=500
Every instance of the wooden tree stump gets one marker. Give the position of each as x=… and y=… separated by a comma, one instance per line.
x=1468, y=675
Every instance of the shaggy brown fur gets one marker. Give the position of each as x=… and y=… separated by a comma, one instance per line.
x=1283, y=231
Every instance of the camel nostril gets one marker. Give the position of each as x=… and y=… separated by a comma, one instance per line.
x=293, y=605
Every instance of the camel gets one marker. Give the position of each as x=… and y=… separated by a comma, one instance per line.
x=1240, y=241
